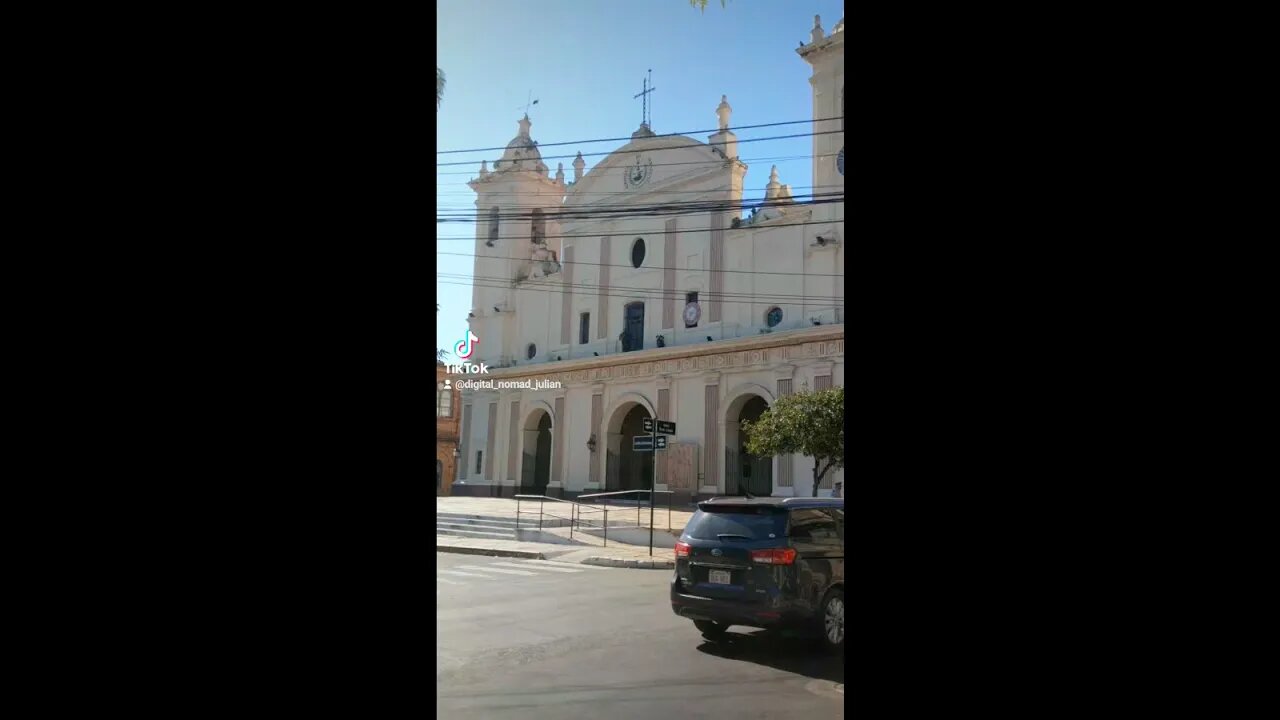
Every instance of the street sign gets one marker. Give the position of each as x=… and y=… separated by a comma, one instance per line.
x=647, y=424
x=642, y=443
x=666, y=427
x=662, y=442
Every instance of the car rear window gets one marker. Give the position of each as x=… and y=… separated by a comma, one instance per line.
x=755, y=523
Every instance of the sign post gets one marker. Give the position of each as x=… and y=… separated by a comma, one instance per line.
x=655, y=426
x=653, y=480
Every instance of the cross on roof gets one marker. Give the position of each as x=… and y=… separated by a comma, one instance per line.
x=528, y=104
x=644, y=99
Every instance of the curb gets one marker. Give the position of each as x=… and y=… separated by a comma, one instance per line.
x=621, y=563
x=526, y=554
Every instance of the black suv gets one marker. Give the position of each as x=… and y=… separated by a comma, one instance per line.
x=763, y=562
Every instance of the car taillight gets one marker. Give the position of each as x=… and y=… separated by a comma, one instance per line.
x=776, y=556
x=682, y=549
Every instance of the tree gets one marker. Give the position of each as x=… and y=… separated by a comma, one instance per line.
x=439, y=86
x=702, y=4
x=807, y=423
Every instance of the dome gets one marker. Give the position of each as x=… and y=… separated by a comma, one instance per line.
x=522, y=152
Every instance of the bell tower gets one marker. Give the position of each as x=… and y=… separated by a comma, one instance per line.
x=825, y=54
x=516, y=205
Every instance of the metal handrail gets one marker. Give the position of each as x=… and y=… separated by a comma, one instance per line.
x=575, y=513
x=626, y=492
x=668, y=493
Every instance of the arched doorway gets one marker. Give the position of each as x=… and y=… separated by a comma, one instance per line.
x=744, y=472
x=535, y=468
x=626, y=469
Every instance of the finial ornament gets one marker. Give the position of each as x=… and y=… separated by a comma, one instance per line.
x=774, y=188
x=817, y=29
x=723, y=111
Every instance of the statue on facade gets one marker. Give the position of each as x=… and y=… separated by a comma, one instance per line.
x=542, y=261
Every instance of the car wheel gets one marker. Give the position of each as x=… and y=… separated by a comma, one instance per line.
x=832, y=621
x=710, y=630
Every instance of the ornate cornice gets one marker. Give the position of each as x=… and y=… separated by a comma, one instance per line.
x=807, y=344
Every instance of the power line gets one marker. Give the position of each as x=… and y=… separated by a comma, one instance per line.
x=718, y=160
x=650, y=150
x=677, y=231
x=615, y=212
x=662, y=135
x=646, y=267
x=742, y=298
x=469, y=194
x=624, y=212
x=595, y=288
x=550, y=281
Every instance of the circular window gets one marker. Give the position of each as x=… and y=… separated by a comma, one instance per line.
x=637, y=252
x=533, y=350
x=773, y=317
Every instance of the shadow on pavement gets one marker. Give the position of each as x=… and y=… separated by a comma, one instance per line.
x=776, y=649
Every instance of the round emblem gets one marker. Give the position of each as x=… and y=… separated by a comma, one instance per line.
x=638, y=174
x=691, y=314
x=840, y=161
x=717, y=552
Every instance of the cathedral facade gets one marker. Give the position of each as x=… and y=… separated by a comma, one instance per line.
x=637, y=290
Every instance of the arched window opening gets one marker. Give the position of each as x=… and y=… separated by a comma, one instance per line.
x=493, y=226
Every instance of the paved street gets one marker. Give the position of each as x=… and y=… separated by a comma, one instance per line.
x=535, y=639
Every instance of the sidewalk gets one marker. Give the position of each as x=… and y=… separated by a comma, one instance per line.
x=612, y=556
x=506, y=507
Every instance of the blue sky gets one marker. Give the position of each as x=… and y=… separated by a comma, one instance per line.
x=584, y=61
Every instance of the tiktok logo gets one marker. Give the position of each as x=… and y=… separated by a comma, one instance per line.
x=466, y=346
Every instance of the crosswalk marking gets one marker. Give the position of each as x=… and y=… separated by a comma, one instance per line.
x=521, y=567
x=539, y=567
x=574, y=565
x=463, y=574
x=498, y=570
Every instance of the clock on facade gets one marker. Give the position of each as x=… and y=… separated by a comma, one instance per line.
x=840, y=161
x=638, y=174
x=691, y=314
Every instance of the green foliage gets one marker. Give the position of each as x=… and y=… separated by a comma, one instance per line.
x=806, y=423
x=702, y=4
x=439, y=86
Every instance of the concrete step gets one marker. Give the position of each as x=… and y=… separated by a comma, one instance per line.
x=503, y=521
x=476, y=534
x=504, y=529
x=618, y=519
x=545, y=537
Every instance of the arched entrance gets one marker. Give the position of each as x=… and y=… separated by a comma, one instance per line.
x=745, y=472
x=535, y=468
x=626, y=469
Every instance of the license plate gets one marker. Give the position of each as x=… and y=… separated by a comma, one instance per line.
x=719, y=577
